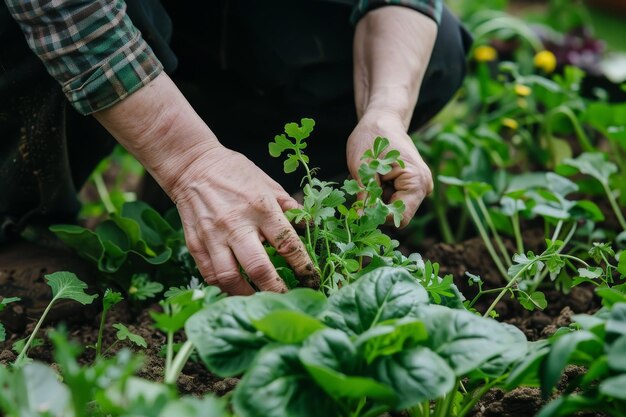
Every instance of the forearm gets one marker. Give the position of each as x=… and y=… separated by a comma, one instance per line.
x=160, y=128
x=392, y=48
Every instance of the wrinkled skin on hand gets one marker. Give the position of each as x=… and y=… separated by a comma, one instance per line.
x=410, y=184
x=228, y=207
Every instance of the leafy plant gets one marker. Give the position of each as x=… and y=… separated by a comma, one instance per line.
x=106, y=388
x=64, y=285
x=131, y=243
x=5, y=302
x=598, y=343
x=375, y=345
x=177, y=308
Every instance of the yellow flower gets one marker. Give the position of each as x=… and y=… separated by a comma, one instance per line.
x=485, y=54
x=546, y=61
x=510, y=123
x=522, y=90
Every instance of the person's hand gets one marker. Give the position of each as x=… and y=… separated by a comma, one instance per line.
x=228, y=207
x=409, y=184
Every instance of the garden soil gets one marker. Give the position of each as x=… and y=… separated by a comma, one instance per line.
x=470, y=256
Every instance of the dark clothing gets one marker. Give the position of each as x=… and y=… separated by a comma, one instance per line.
x=246, y=67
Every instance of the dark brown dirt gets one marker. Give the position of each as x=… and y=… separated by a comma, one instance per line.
x=472, y=256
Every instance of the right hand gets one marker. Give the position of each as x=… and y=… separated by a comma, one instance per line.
x=228, y=207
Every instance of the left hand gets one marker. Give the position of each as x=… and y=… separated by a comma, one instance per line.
x=410, y=184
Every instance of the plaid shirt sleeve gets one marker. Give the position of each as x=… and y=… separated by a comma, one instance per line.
x=90, y=46
x=431, y=8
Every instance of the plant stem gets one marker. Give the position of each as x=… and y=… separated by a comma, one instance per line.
x=519, y=242
x=103, y=193
x=100, y=333
x=169, y=352
x=512, y=282
x=475, y=398
x=440, y=212
x=485, y=237
x=179, y=362
x=545, y=272
x=557, y=230
x=443, y=409
x=496, y=235
x=614, y=205
x=22, y=354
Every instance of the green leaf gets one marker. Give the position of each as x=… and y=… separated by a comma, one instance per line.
x=124, y=333
x=560, y=354
x=391, y=337
x=3, y=333
x=467, y=341
x=280, y=144
x=287, y=326
x=594, y=165
x=617, y=320
x=110, y=298
x=383, y=294
x=617, y=354
x=278, y=385
x=8, y=300
x=415, y=375
x=351, y=187
x=535, y=300
x=621, y=264
x=224, y=336
x=300, y=132
x=208, y=406
x=142, y=288
x=330, y=358
x=614, y=387
x=65, y=285
x=397, y=209
x=291, y=164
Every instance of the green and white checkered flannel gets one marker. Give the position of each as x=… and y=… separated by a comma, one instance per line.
x=98, y=56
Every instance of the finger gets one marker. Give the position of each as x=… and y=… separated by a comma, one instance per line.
x=226, y=272
x=409, y=187
x=253, y=258
x=282, y=236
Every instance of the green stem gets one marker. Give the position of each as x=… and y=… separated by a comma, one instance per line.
x=179, y=362
x=440, y=212
x=511, y=283
x=614, y=205
x=557, y=230
x=446, y=404
x=103, y=193
x=583, y=139
x=24, y=351
x=475, y=398
x=100, y=333
x=485, y=237
x=545, y=272
x=519, y=242
x=460, y=231
x=169, y=353
x=494, y=232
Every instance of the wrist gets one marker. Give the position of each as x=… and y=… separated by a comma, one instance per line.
x=380, y=119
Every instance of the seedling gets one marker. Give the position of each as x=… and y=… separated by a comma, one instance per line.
x=65, y=285
x=5, y=302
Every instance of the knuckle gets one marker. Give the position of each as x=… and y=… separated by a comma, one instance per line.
x=288, y=244
x=260, y=269
x=225, y=278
